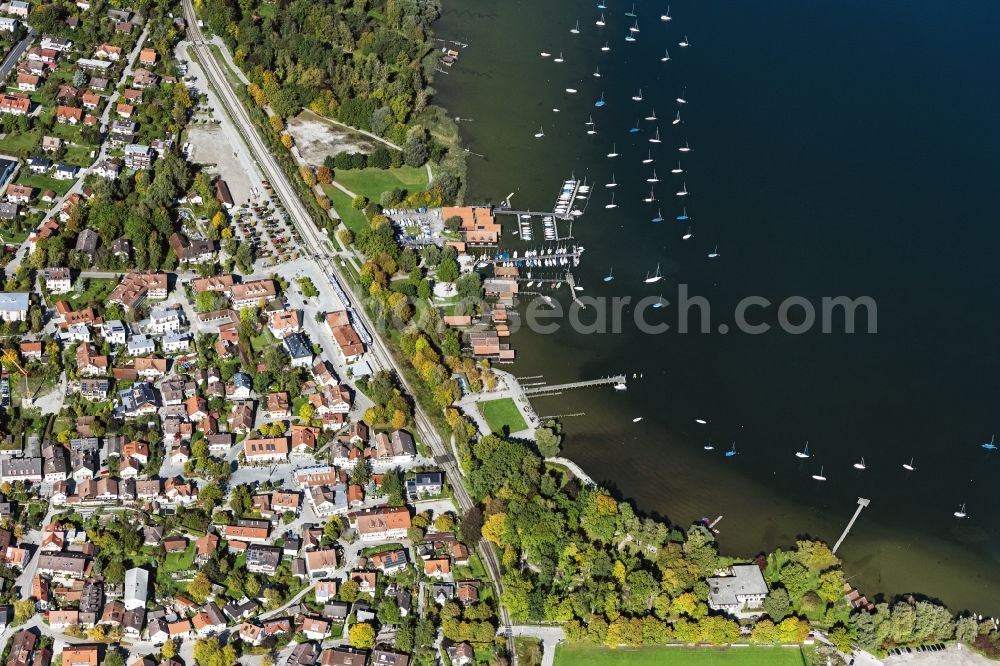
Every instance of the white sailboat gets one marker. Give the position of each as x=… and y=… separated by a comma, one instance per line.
x=649, y=158
x=681, y=99
x=636, y=419
x=701, y=421
x=612, y=204
x=656, y=137
x=613, y=182
x=714, y=254
x=634, y=28
x=652, y=114
x=666, y=15
x=606, y=47
x=652, y=196
x=611, y=274
x=688, y=235
x=653, y=178
x=686, y=148
x=709, y=447
x=600, y=21
x=804, y=453
x=592, y=130
x=678, y=169
x=559, y=59
x=637, y=98
x=861, y=465
x=597, y=72
x=666, y=56
x=655, y=277
x=571, y=91
x=961, y=512
x=614, y=151
x=819, y=477
x=909, y=466
x=659, y=217
x=540, y=133
x=684, y=43
x=575, y=29
x=676, y=120
x=545, y=54
x=683, y=192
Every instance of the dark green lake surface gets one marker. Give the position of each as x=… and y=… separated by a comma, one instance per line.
x=839, y=148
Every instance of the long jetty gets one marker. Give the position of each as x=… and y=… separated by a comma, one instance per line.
x=553, y=388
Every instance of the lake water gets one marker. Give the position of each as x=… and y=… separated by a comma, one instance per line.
x=841, y=148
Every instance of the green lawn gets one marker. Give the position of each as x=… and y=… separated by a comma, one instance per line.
x=500, y=413
x=97, y=291
x=180, y=561
x=354, y=219
x=570, y=654
x=15, y=142
x=42, y=183
x=78, y=155
x=373, y=182
x=265, y=339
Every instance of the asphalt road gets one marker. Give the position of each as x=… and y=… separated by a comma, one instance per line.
x=15, y=54
x=312, y=237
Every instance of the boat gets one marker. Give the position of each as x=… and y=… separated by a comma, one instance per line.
x=861, y=465
x=571, y=91
x=636, y=419
x=613, y=182
x=629, y=37
x=601, y=5
x=578, y=288
x=599, y=103
x=666, y=56
x=731, y=452
x=687, y=235
x=606, y=47
x=531, y=284
x=600, y=21
x=991, y=445
x=652, y=114
x=592, y=130
x=575, y=29
x=961, y=512
x=653, y=178
x=683, y=192
x=686, y=148
x=714, y=254
x=709, y=447
x=658, y=218
x=546, y=55
x=819, y=477
x=655, y=277
x=649, y=158
x=620, y=386
x=634, y=28
x=540, y=133
x=678, y=169
x=804, y=453
x=676, y=120
x=559, y=59
x=659, y=302
x=684, y=43
x=651, y=198
x=638, y=98
x=555, y=110
x=597, y=72
x=631, y=14
x=909, y=466
x=614, y=151
x=683, y=217
x=611, y=274
x=656, y=138
x=612, y=204
x=666, y=15
x=682, y=99
x=635, y=129
x=700, y=421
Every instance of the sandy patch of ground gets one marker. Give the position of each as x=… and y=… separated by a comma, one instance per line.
x=210, y=148
x=315, y=137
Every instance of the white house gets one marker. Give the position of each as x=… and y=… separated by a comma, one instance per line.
x=115, y=333
x=140, y=345
x=14, y=305
x=175, y=342
x=743, y=587
x=136, y=588
x=162, y=321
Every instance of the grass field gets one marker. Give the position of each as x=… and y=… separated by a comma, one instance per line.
x=42, y=183
x=354, y=219
x=575, y=653
x=180, y=561
x=373, y=182
x=15, y=142
x=97, y=291
x=500, y=413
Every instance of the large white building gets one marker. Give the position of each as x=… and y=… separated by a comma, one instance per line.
x=743, y=588
x=14, y=305
x=136, y=588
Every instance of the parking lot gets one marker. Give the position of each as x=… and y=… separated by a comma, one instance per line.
x=263, y=223
x=419, y=227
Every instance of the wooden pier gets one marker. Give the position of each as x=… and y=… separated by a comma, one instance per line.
x=555, y=388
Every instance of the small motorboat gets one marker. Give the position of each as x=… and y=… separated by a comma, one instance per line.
x=636, y=419
x=546, y=55
x=571, y=91
x=700, y=421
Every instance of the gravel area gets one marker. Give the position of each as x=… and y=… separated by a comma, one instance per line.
x=316, y=138
x=209, y=146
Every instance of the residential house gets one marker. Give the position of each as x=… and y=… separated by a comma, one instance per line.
x=348, y=341
x=321, y=563
x=298, y=350
x=263, y=559
x=382, y=524
x=138, y=156
x=247, y=294
x=279, y=406
x=742, y=587
x=58, y=280
x=272, y=449
x=135, y=288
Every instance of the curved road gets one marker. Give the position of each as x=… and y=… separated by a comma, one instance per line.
x=314, y=239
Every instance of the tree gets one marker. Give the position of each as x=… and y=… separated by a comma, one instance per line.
x=841, y=638
x=776, y=604
x=360, y=474
x=547, y=441
x=115, y=571
x=23, y=610
x=392, y=487
x=448, y=270
x=200, y=587
x=113, y=658
x=966, y=629
x=362, y=636
x=169, y=650
x=445, y=522
x=348, y=591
